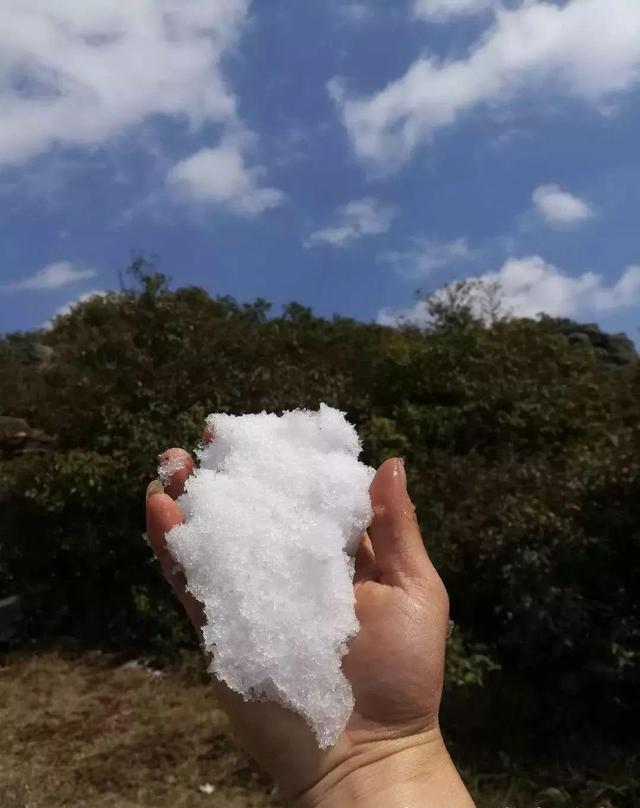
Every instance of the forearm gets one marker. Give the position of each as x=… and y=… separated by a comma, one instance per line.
x=407, y=773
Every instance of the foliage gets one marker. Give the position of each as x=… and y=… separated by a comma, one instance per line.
x=522, y=451
x=467, y=665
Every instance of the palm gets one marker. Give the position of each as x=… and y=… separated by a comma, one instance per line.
x=395, y=662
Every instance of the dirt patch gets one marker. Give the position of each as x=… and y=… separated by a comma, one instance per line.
x=86, y=732
x=81, y=732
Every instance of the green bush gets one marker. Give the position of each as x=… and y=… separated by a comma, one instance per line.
x=521, y=448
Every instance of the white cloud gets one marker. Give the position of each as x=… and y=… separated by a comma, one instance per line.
x=358, y=218
x=560, y=208
x=530, y=286
x=426, y=256
x=413, y=315
x=220, y=176
x=440, y=10
x=78, y=73
x=74, y=73
x=588, y=49
x=53, y=276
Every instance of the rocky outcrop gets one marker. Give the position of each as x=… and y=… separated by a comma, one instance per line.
x=18, y=438
x=616, y=349
x=620, y=349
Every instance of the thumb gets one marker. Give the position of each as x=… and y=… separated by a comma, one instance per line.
x=394, y=532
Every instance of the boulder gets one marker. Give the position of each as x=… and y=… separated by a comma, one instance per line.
x=18, y=438
x=621, y=350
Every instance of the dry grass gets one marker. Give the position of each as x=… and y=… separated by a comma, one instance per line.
x=86, y=732
x=83, y=732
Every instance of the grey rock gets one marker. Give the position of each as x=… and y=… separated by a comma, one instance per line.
x=621, y=349
x=580, y=338
x=18, y=438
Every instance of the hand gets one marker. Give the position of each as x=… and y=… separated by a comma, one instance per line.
x=391, y=753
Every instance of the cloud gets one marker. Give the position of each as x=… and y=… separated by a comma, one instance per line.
x=80, y=74
x=413, y=315
x=586, y=49
x=560, y=208
x=530, y=286
x=356, y=219
x=441, y=10
x=77, y=73
x=53, y=276
x=220, y=176
x=426, y=256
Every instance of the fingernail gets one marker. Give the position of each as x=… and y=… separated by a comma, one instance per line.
x=402, y=471
x=154, y=487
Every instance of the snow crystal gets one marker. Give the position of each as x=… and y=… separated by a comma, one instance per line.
x=272, y=516
x=169, y=467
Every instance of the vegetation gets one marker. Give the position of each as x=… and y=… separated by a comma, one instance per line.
x=522, y=449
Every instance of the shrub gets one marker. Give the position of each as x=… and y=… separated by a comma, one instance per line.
x=521, y=446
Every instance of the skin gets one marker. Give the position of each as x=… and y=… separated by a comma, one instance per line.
x=391, y=753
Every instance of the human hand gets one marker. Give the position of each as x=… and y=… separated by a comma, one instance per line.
x=391, y=753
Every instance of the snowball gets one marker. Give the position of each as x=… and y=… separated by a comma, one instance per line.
x=272, y=517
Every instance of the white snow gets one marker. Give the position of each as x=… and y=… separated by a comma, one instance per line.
x=273, y=515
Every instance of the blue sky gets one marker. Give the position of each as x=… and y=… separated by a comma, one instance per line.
x=340, y=154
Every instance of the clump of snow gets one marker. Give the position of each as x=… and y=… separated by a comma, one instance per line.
x=168, y=468
x=272, y=519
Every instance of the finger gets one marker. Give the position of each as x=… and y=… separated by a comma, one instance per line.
x=394, y=532
x=175, y=465
x=365, y=561
x=163, y=514
x=207, y=433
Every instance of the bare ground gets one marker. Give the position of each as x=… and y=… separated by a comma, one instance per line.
x=85, y=733
x=90, y=732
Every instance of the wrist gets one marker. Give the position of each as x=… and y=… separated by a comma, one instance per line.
x=413, y=772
